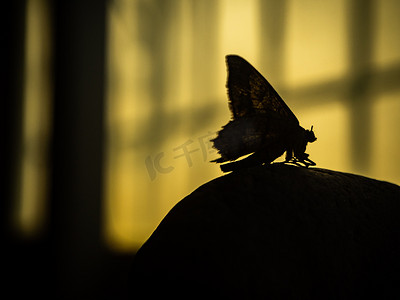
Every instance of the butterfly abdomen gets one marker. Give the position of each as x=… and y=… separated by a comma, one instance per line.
x=239, y=137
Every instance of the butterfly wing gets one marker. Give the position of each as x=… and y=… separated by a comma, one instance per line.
x=250, y=93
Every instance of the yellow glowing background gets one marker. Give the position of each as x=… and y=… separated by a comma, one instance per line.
x=30, y=205
x=335, y=63
x=166, y=88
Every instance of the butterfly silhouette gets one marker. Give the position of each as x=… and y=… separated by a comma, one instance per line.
x=262, y=124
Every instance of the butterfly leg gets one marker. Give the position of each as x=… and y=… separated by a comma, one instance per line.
x=294, y=161
x=308, y=162
x=304, y=162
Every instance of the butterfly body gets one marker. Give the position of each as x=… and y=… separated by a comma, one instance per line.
x=262, y=123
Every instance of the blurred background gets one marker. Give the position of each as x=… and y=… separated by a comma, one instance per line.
x=108, y=108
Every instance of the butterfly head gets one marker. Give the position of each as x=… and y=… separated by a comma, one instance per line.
x=310, y=136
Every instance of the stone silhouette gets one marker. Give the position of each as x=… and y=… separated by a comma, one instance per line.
x=276, y=232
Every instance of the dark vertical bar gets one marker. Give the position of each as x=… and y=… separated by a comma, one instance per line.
x=13, y=33
x=154, y=22
x=17, y=253
x=79, y=63
x=360, y=45
x=272, y=38
x=205, y=43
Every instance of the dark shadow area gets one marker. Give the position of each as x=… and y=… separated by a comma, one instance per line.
x=69, y=259
x=276, y=232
